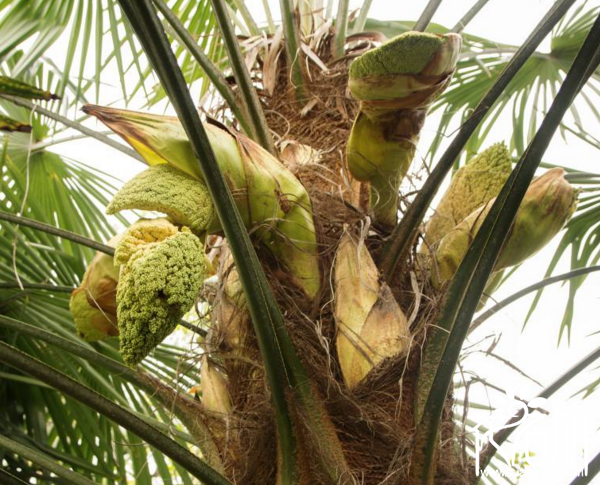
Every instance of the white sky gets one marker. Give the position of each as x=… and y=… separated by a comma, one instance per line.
x=535, y=349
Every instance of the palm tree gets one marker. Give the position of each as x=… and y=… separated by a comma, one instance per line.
x=328, y=319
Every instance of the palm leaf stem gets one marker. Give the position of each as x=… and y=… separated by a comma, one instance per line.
x=470, y=15
x=443, y=347
x=43, y=461
x=137, y=376
x=212, y=72
x=487, y=454
x=282, y=365
x=359, y=25
x=35, y=368
x=241, y=7
x=293, y=52
x=55, y=231
x=7, y=479
x=269, y=16
x=68, y=289
x=57, y=141
x=258, y=123
x=341, y=28
x=426, y=15
x=593, y=468
x=37, y=286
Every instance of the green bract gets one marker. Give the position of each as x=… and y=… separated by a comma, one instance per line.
x=370, y=324
x=547, y=206
x=159, y=283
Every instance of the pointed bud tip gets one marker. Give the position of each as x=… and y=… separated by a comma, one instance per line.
x=100, y=112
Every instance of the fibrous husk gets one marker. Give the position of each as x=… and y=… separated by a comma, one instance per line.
x=230, y=316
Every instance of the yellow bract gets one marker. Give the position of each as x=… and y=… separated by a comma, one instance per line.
x=370, y=324
x=215, y=393
x=93, y=305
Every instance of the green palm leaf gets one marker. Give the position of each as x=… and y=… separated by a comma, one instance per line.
x=528, y=95
x=97, y=27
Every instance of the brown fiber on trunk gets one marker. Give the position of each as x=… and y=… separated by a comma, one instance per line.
x=375, y=420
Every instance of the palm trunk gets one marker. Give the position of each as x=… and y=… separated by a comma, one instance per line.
x=373, y=420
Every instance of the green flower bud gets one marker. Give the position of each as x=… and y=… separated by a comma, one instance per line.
x=159, y=283
x=547, y=206
x=395, y=84
x=473, y=185
x=272, y=202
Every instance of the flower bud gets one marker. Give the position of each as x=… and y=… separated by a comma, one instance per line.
x=370, y=324
x=93, y=305
x=162, y=270
x=547, y=206
x=271, y=200
x=473, y=185
x=395, y=84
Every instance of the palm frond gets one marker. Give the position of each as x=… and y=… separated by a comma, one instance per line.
x=120, y=415
x=527, y=96
x=72, y=428
x=581, y=240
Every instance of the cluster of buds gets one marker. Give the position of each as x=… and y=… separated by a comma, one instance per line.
x=162, y=270
x=142, y=292
x=162, y=261
x=472, y=186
